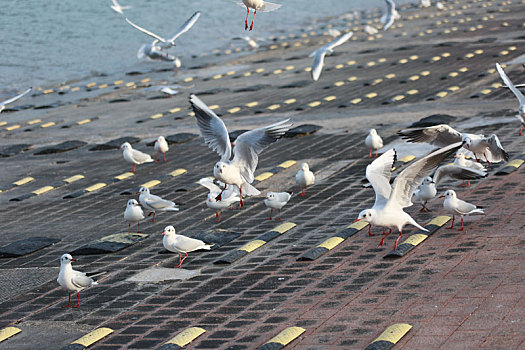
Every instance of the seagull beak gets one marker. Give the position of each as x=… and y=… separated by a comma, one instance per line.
x=220, y=170
x=357, y=220
x=442, y=196
x=73, y=259
x=163, y=233
x=432, y=182
x=456, y=156
x=137, y=192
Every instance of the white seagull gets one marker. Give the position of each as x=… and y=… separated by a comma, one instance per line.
x=13, y=99
x=276, y=200
x=238, y=171
x=161, y=146
x=154, y=52
x=443, y=135
x=155, y=203
x=373, y=141
x=133, y=213
x=72, y=280
x=181, y=244
x=228, y=197
x=370, y=30
x=425, y=192
x=390, y=200
x=327, y=49
x=461, y=160
x=261, y=5
x=521, y=99
x=117, y=8
x=456, y=206
x=169, y=42
x=304, y=178
x=134, y=156
x=391, y=14
x=252, y=42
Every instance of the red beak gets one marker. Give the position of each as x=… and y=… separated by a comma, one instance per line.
x=73, y=259
x=220, y=170
x=163, y=233
x=442, y=196
x=356, y=220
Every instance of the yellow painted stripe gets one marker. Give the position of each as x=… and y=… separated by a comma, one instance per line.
x=314, y=103
x=73, y=178
x=95, y=187
x=290, y=101
x=407, y=159
x=84, y=121
x=478, y=52
x=103, y=86
x=252, y=104
x=130, y=84
x=76, y=88
x=403, y=61
x=124, y=175
x=35, y=121
x=356, y=101
x=157, y=116
x=289, y=67
x=23, y=181
x=339, y=66
x=390, y=76
x=394, y=333
x=469, y=55
x=414, y=57
x=398, y=97
x=486, y=91
x=282, y=228
x=377, y=81
x=42, y=190
x=2, y=123
x=251, y=246
x=445, y=54
x=442, y=94
x=93, y=337
x=351, y=63
x=436, y=58
x=287, y=335
x=213, y=107
x=496, y=85
x=264, y=176
x=330, y=98
x=381, y=60
x=415, y=239
x=330, y=243
x=8, y=332
x=118, y=82
x=186, y=336
x=232, y=72
x=217, y=76
x=47, y=125
x=145, y=80
x=371, y=95
x=439, y=221
x=371, y=64
x=48, y=91
x=358, y=225
x=177, y=172
x=277, y=71
x=453, y=74
x=516, y=163
x=287, y=164
x=174, y=110
x=12, y=127
x=504, y=53
x=91, y=85
x=453, y=88
x=259, y=70
x=247, y=74
x=413, y=77
x=274, y=107
x=234, y=110
x=188, y=79
x=151, y=183
x=352, y=78
x=339, y=83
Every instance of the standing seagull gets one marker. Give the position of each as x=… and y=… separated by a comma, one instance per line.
x=115, y=6
x=155, y=203
x=390, y=200
x=72, y=280
x=13, y=99
x=133, y=213
x=133, y=156
x=304, y=178
x=161, y=146
x=443, y=135
x=169, y=42
x=320, y=53
x=391, y=14
x=456, y=206
x=228, y=197
x=276, y=200
x=261, y=5
x=181, y=244
x=373, y=141
x=521, y=99
x=238, y=171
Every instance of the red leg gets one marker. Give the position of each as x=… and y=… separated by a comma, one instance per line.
x=302, y=194
x=246, y=21
x=462, y=227
x=271, y=213
x=486, y=158
x=129, y=227
x=241, y=203
x=376, y=153
x=370, y=230
x=468, y=183
x=253, y=18
x=452, y=225
x=397, y=240
x=183, y=260
x=153, y=219
x=370, y=155
x=69, y=301
x=217, y=213
x=138, y=226
x=78, y=300
x=385, y=236
x=180, y=262
x=164, y=156
x=134, y=167
x=521, y=130
x=279, y=218
x=463, y=184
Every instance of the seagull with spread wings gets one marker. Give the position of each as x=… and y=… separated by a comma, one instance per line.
x=238, y=171
x=13, y=99
x=391, y=14
x=115, y=6
x=327, y=49
x=261, y=5
x=521, y=99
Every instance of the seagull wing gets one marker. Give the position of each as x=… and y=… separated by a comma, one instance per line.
x=269, y=7
x=249, y=144
x=389, y=19
x=140, y=156
x=282, y=196
x=457, y=172
x=317, y=66
x=340, y=40
x=378, y=174
x=146, y=31
x=208, y=183
x=495, y=153
x=409, y=179
x=440, y=135
x=186, y=26
x=156, y=202
x=80, y=280
x=212, y=128
x=511, y=86
x=13, y=99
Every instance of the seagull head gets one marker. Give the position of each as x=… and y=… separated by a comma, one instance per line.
x=467, y=142
x=220, y=167
x=428, y=180
x=366, y=215
x=144, y=190
x=270, y=195
x=132, y=203
x=168, y=230
x=372, y=132
x=448, y=194
x=161, y=139
x=66, y=259
x=125, y=146
x=305, y=167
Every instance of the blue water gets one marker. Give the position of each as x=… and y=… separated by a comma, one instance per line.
x=45, y=42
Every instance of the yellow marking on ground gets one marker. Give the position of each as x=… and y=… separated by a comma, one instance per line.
x=2, y=123
x=48, y=91
x=442, y=94
x=76, y=88
x=290, y=101
x=145, y=80
x=314, y=104
x=398, y=98
x=390, y=76
x=415, y=239
x=284, y=227
x=356, y=101
x=95, y=187
x=287, y=335
x=504, y=53
x=330, y=243
x=512, y=48
x=34, y=121
x=232, y=72
x=425, y=73
x=174, y=110
x=453, y=88
x=402, y=61
x=188, y=79
x=186, y=336
x=394, y=333
x=23, y=181
x=414, y=78
x=287, y=164
x=352, y=78
x=371, y=95
x=339, y=66
x=377, y=81
x=259, y=70
x=247, y=74
x=289, y=67
x=463, y=69
x=445, y=54
x=351, y=63
x=486, y=91
x=414, y=57
x=273, y=47
x=274, y=107
x=436, y=58
x=103, y=86
x=42, y=190
x=308, y=69
x=251, y=246
x=47, y=125
x=264, y=176
x=297, y=44
x=371, y=64
x=252, y=104
x=330, y=98
x=381, y=60
x=151, y=183
x=469, y=55
x=130, y=84
x=217, y=76
x=228, y=52
x=91, y=85
x=234, y=110
x=93, y=337
x=177, y=172
x=439, y=221
x=84, y=121
x=446, y=31
x=73, y=178
x=157, y=116
x=8, y=332
x=124, y=175
x=12, y=127
x=118, y=82
x=516, y=163
x=277, y=71
x=213, y=107
x=453, y=74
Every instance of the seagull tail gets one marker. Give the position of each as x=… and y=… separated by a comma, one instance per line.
x=414, y=223
x=249, y=190
x=477, y=211
x=207, y=246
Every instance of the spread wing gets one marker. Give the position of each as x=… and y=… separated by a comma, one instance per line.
x=390, y=9
x=13, y=99
x=340, y=40
x=510, y=85
x=495, y=152
x=249, y=144
x=317, y=66
x=378, y=174
x=457, y=172
x=208, y=183
x=409, y=179
x=146, y=31
x=270, y=6
x=156, y=202
x=440, y=135
x=212, y=128
x=80, y=280
x=186, y=26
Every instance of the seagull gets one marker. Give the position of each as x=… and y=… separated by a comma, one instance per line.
x=117, y=8
x=134, y=156
x=425, y=192
x=72, y=280
x=276, y=200
x=443, y=135
x=133, y=213
x=13, y=99
x=169, y=42
x=161, y=146
x=521, y=99
x=155, y=203
x=252, y=42
x=334, y=33
x=228, y=198
x=391, y=14
x=320, y=53
x=373, y=141
x=370, y=30
x=238, y=171
x=425, y=3
x=390, y=200
x=440, y=5
x=460, y=160
x=181, y=244
x=154, y=52
x=304, y=178
x=456, y=206
x=261, y=5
